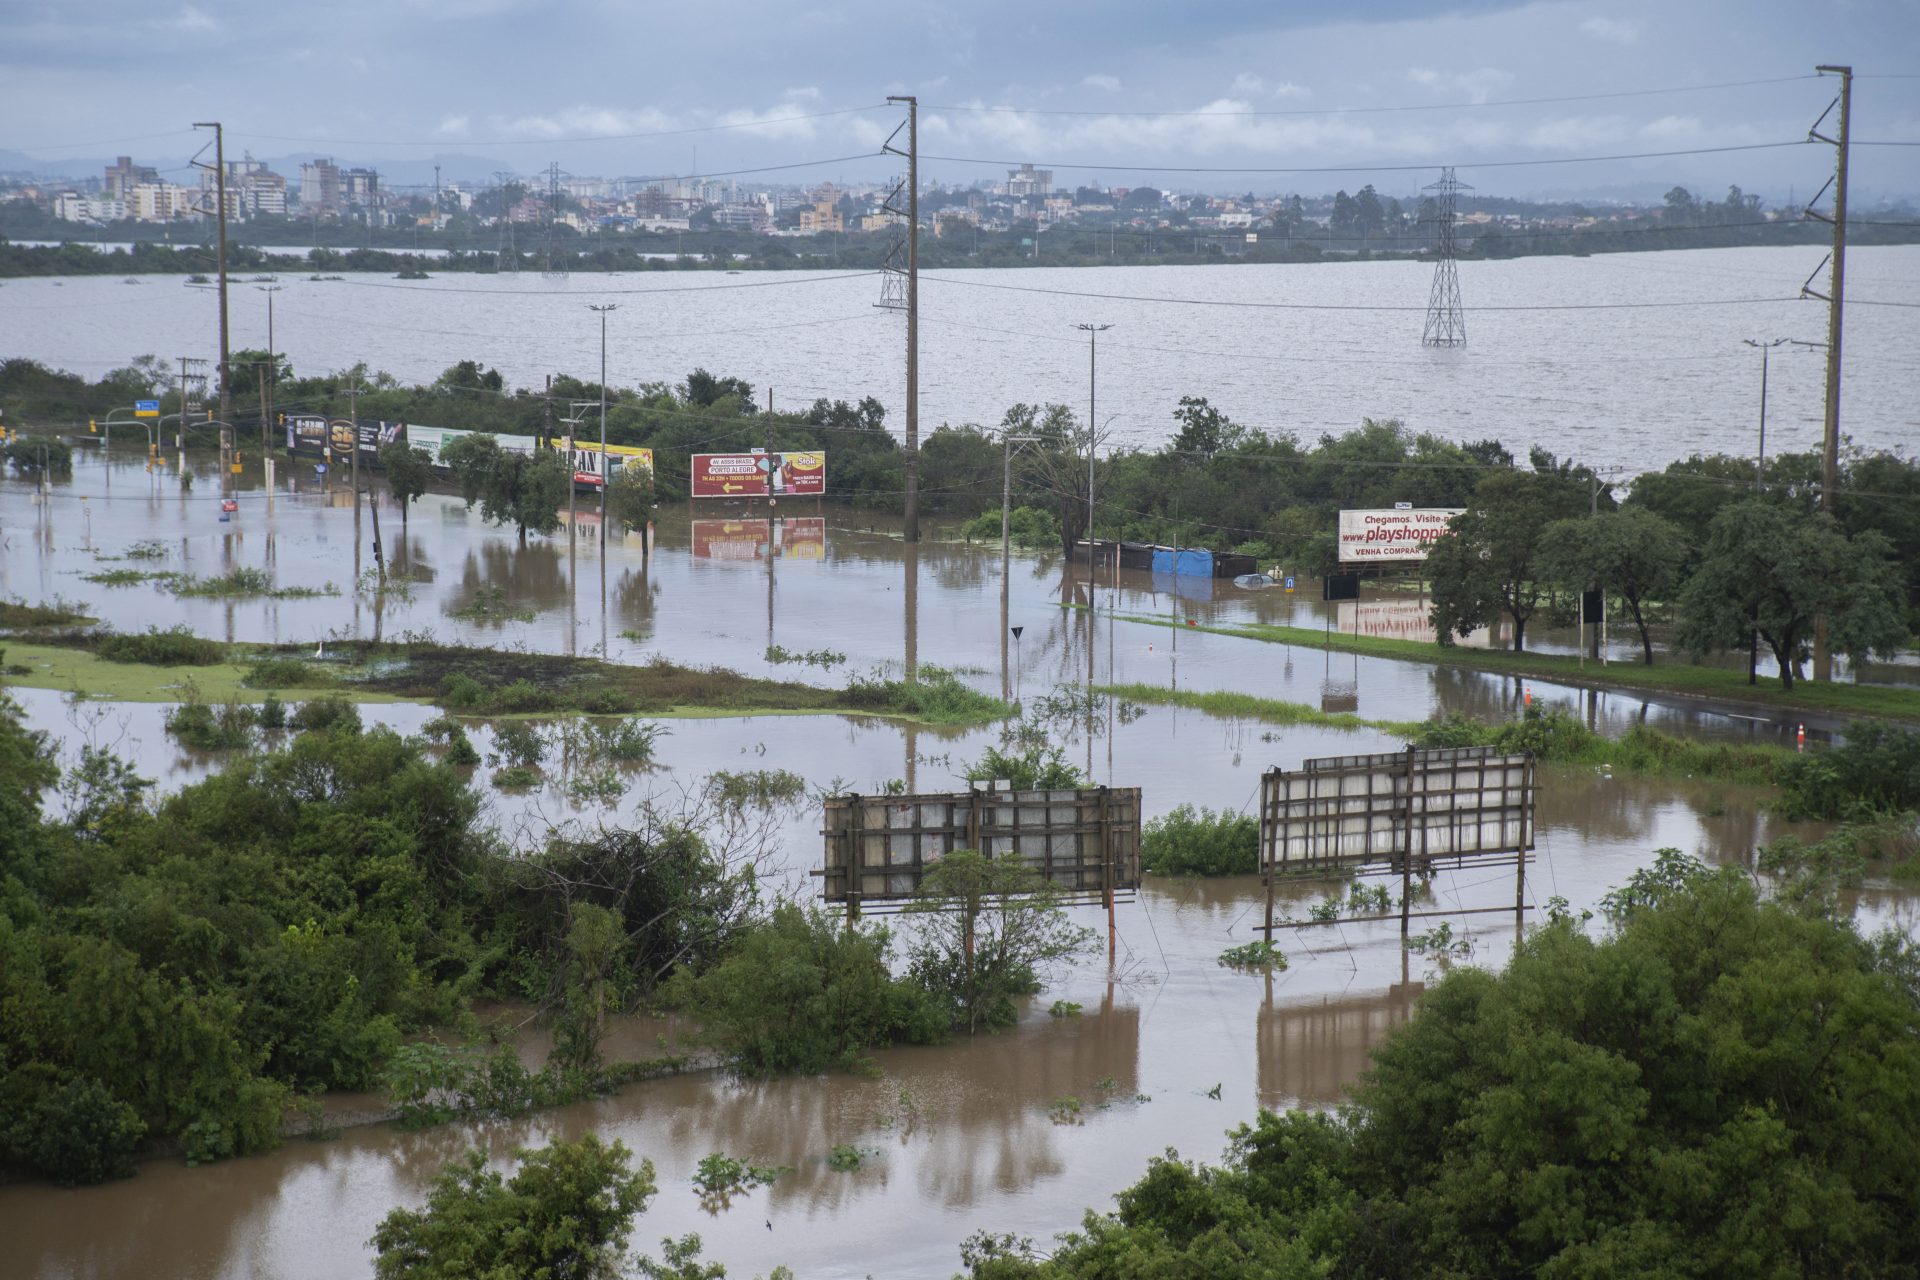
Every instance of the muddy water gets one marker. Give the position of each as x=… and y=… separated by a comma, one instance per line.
x=968, y=1135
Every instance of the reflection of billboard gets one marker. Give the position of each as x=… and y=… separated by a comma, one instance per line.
x=1085, y=841
x=759, y=475
x=1392, y=537
x=587, y=465
x=1408, y=618
x=799, y=539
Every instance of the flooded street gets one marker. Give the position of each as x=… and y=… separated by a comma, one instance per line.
x=1012, y=1132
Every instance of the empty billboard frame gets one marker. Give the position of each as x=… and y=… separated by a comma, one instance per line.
x=1082, y=841
x=1409, y=811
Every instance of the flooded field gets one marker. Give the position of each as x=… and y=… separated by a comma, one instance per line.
x=1012, y=1132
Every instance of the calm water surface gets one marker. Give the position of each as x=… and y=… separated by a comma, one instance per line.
x=1579, y=365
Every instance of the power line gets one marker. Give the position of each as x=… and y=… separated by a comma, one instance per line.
x=1147, y=167
x=1340, y=111
x=803, y=278
x=551, y=141
x=1332, y=306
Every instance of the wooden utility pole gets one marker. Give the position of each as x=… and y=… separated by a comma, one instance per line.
x=226, y=374
x=1835, y=298
x=910, y=526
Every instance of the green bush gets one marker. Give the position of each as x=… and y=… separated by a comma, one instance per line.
x=937, y=696
x=331, y=714
x=1039, y=767
x=32, y=454
x=803, y=992
x=519, y=744
x=205, y=728
x=1031, y=527
x=461, y=751
x=174, y=647
x=273, y=713
x=519, y=697
x=515, y=777
x=1200, y=842
x=462, y=691
x=76, y=1132
x=1876, y=771
x=279, y=673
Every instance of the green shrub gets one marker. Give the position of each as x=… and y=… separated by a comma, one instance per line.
x=331, y=714
x=31, y=455
x=461, y=751
x=846, y=1158
x=803, y=992
x=77, y=1133
x=519, y=697
x=605, y=700
x=519, y=744
x=273, y=712
x=462, y=691
x=205, y=728
x=1200, y=842
x=1031, y=527
x=516, y=777
x=1876, y=771
x=1039, y=767
x=937, y=696
x=279, y=673
x=1261, y=955
x=761, y=788
x=174, y=647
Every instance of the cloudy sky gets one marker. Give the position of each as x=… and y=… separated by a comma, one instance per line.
x=1107, y=93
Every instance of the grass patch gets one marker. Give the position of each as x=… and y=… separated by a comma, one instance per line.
x=936, y=697
x=126, y=577
x=18, y=613
x=1876, y=701
x=1551, y=734
x=284, y=673
x=489, y=604
x=242, y=582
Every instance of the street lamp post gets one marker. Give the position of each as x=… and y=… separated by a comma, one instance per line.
x=1760, y=455
x=273, y=368
x=606, y=471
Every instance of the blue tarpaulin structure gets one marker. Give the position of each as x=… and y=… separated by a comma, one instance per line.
x=1183, y=563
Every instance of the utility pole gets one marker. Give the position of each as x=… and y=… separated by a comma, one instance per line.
x=1006, y=546
x=353, y=457
x=1093, y=332
x=1835, y=298
x=1760, y=454
x=268, y=384
x=220, y=194
x=910, y=527
x=606, y=469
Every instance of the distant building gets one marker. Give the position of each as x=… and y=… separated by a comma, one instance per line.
x=320, y=186
x=740, y=217
x=124, y=175
x=160, y=202
x=73, y=207
x=1029, y=181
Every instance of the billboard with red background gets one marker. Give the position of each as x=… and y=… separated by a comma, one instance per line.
x=745, y=475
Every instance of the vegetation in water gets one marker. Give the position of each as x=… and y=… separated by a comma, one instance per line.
x=1199, y=842
x=934, y=695
x=1530, y=1122
x=822, y=658
x=1260, y=955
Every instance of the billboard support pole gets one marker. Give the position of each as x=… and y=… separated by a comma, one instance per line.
x=1406, y=859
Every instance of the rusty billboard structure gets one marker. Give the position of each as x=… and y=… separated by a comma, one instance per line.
x=1409, y=812
x=1083, y=842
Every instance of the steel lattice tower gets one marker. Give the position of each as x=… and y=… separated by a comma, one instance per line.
x=1446, y=322
x=506, y=257
x=893, y=272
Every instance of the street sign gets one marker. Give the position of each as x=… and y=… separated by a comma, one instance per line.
x=146, y=408
x=1290, y=583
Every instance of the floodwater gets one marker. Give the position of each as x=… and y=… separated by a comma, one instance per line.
x=975, y=1134
x=1619, y=360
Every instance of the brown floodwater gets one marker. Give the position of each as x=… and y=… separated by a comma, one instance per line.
x=1018, y=1131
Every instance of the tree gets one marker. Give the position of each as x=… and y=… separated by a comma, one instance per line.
x=1633, y=553
x=1770, y=570
x=1204, y=430
x=1487, y=563
x=630, y=497
x=467, y=375
x=1346, y=214
x=1368, y=215
x=522, y=489
x=409, y=468
x=986, y=929
x=566, y=1212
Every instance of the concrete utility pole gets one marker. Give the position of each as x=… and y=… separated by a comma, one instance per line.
x=220, y=194
x=1006, y=546
x=1093, y=332
x=1835, y=298
x=910, y=526
x=1760, y=453
x=268, y=384
x=606, y=468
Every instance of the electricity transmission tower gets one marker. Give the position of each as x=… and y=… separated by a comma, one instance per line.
x=553, y=223
x=1446, y=323
x=506, y=257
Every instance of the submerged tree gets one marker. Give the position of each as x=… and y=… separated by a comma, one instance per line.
x=1632, y=554
x=1488, y=562
x=409, y=468
x=525, y=490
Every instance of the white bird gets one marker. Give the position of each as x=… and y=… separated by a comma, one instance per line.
x=321, y=650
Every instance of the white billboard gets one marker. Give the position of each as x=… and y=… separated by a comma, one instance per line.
x=1400, y=536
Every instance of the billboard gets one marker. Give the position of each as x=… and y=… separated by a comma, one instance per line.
x=587, y=466
x=798, y=539
x=435, y=439
x=759, y=475
x=307, y=434
x=1399, y=536
x=1084, y=842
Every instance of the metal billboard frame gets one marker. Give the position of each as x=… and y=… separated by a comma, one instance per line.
x=1083, y=841
x=1404, y=810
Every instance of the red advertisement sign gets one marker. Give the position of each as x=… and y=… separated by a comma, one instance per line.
x=804, y=538
x=759, y=475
